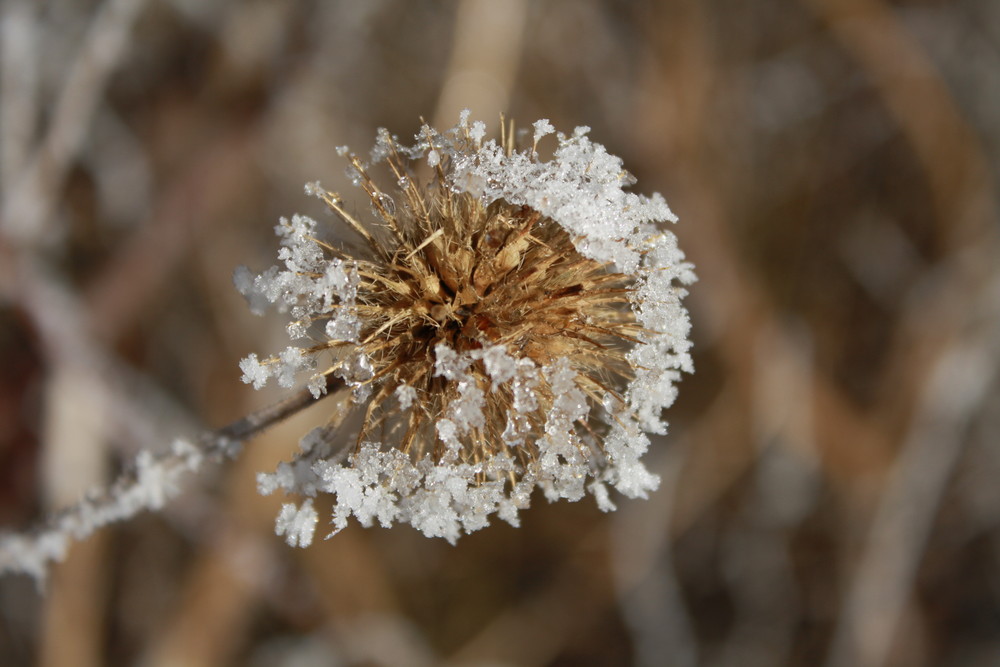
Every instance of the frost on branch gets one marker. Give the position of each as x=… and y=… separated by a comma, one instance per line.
x=153, y=482
x=510, y=324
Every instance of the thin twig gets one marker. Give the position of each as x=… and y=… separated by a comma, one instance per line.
x=253, y=424
x=149, y=484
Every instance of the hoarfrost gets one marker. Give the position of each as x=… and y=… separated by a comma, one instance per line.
x=297, y=524
x=543, y=128
x=155, y=481
x=406, y=395
x=254, y=372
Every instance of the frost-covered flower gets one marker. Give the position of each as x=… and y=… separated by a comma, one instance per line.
x=510, y=323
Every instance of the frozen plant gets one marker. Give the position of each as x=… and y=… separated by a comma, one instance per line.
x=510, y=323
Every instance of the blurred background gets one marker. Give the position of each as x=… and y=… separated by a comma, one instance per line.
x=830, y=484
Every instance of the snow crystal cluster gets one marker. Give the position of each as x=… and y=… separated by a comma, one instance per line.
x=581, y=188
x=309, y=285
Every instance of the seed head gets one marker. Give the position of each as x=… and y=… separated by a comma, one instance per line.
x=508, y=323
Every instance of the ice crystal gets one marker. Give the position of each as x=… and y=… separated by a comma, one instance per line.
x=297, y=524
x=512, y=324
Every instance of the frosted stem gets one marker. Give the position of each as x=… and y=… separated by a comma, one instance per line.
x=147, y=485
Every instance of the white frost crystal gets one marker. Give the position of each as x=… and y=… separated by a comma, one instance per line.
x=297, y=524
x=406, y=395
x=471, y=401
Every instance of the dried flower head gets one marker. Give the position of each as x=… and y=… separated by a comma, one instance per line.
x=509, y=323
